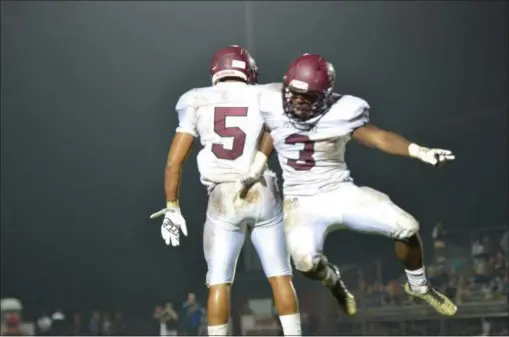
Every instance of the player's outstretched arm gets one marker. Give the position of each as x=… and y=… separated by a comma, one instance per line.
x=393, y=143
x=386, y=141
x=179, y=151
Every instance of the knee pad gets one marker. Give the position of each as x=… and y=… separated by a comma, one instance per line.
x=319, y=270
x=303, y=261
x=306, y=262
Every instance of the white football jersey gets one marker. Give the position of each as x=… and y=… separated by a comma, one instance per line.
x=228, y=121
x=312, y=161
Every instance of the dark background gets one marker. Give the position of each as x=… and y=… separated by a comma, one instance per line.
x=87, y=114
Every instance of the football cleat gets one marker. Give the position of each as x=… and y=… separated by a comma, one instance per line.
x=437, y=300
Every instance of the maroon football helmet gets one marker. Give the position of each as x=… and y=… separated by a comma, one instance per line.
x=233, y=62
x=307, y=87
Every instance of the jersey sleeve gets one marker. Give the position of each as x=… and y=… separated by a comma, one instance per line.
x=356, y=112
x=186, y=110
x=269, y=100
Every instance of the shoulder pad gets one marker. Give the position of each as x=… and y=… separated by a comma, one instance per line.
x=270, y=97
x=188, y=99
x=193, y=98
x=351, y=107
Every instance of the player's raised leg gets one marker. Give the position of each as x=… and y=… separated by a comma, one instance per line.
x=367, y=210
x=307, y=221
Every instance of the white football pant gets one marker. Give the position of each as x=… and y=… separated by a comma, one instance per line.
x=309, y=219
x=226, y=227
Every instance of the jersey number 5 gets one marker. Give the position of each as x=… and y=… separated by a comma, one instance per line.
x=239, y=136
x=305, y=162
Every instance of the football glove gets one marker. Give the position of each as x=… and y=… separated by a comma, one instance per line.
x=435, y=157
x=173, y=223
x=258, y=166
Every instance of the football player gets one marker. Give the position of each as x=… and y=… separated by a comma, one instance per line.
x=227, y=118
x=310, y=125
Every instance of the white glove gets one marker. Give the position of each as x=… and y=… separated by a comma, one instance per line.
x=434, y=157
x=173, y=223
x=254, y=174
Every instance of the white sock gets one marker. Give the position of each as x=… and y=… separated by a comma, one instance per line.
x=291, y=324
x=417, y=280
x=218, y=330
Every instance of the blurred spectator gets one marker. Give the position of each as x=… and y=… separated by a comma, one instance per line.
x=167, y=320
x=499, y=265
x=118, y=327
x=438, y=275
x=172, y=323
x=450, y=290
x=439, y=241
x=481, y=270
x=13, y=325
x=94, y=326
x=477, y=249
x=43, y=325
x=58, y=323
x=377, y=294
x=394, y=292
x=496, y=288
x=77, y=326
x=192, y=313
x=160, y=323
x=202, y=330
x=462, y=290
x=106, y=325
x=488, y=247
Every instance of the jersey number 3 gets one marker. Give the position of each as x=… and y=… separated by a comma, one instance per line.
x=305, y=162
x=220, y=128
